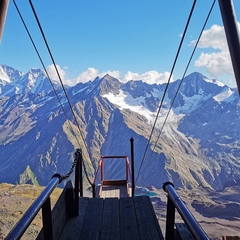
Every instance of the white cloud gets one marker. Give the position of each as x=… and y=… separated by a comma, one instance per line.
x=213, y=38
x=86, y=76
x=215, y=58
x=217, y=63
x=90, y=74
x=115, y=74
x=149, y=77
x=53, y=73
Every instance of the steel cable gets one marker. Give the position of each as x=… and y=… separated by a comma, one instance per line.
x=60, y=79
x=44, y=67
x=38, y=54
x=165, y=91
x=184, y=74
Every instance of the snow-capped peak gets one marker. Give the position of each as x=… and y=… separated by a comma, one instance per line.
x=15, y=82
x=3, y=74
x=9, y=74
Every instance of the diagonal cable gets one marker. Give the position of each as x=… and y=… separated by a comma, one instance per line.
x=39, y=56
x=184, y=74
x=44, y=67
x=60, y=79
x=165, y=91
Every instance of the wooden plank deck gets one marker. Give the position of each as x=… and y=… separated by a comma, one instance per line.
x=113, y=191
x=113, y=219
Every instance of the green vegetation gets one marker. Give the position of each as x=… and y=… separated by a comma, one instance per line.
x=28, y=175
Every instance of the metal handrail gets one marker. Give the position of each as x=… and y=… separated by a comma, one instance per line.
x=43, y=202
x=25, y=221
x=129, y=170
x=174, y=201
x=96, y=177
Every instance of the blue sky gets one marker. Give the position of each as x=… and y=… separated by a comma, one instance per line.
x=130, y=39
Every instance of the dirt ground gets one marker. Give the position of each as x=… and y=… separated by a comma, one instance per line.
x=217, y=213
x=14, y=201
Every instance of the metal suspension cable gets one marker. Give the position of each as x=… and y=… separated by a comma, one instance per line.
x=184, y=74
x=60, y=79
x=165, y=91
x=44, y=67
x=39, y=56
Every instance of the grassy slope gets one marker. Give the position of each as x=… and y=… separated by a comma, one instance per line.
x=15, y=200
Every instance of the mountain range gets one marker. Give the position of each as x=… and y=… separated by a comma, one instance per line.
x=197, y=147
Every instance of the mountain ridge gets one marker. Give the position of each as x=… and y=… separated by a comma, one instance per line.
x=194, y=148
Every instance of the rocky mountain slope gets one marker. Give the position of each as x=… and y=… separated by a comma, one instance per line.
x=198, y=146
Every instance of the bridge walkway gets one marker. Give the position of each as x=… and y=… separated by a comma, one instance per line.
x=114, y=218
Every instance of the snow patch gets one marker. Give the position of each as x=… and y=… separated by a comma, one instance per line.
x=126, y=101
x=220, y=84
x=80, y=90
x=225, y=96
x=192, y=103
x=3, y=75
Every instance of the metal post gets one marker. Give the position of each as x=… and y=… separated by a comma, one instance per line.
x=3, y=13
x=132, y=166
x=127, y=168
x=170, y=221
x=102, y=170
x=232, y=34
x=47, y=220
x=77, y=181
x=93, y=190
x=81, y=173
x=186, y=215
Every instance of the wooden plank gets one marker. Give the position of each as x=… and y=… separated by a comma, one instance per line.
x=128, y=224
x=110, y=220
x=107, y=191
x=113, y=219
x=147, y=222
x=182, y=232
x=72, y=228
x=92, y=222
x=123, y=191
x=113, y=191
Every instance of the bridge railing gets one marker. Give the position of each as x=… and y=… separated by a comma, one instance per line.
x=103, y=174
x=44, y=202
x=175, y=202
x=123, y=160
x=100, y=176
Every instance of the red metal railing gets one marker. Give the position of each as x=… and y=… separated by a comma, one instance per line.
x=100, y=178
x=129, y=178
